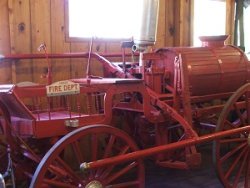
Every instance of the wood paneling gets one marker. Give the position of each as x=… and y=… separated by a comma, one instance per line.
x=182, y=22
x=185, y=20
x=40, y=12
x=78, y=66
x=60, y=68
x=170, y=25
x=174, y=23
x=20, y=34
x=230, y=20
x=5, y=67
x=161, y=27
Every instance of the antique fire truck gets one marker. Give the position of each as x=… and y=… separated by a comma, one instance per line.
x=96, y=131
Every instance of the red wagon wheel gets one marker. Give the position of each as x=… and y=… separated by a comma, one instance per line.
x=3, y=151
x=60, y=167
x=4, y=159
x=231, y=154
x=6, y=168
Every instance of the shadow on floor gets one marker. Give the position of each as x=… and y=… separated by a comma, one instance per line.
x=205, y=176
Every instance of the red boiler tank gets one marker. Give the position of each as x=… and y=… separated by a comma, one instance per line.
x=210, y=69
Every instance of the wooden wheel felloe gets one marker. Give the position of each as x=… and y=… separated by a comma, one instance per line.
x=6, y=168
x=3, y=144
x=3, y=151
x=60, y=167
x=232, y=153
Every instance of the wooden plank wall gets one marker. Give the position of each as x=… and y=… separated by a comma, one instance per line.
x=230, y=20
x=20, y=38
x=5, y=67
x=25, y=24
x=174, y=23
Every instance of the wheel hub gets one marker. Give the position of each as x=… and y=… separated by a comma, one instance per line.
x=94, y=184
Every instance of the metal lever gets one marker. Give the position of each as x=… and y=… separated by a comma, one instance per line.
x=42, y=47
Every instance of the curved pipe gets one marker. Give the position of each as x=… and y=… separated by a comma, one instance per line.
x=112, y=68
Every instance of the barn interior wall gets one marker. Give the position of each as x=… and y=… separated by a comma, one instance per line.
x=25, y=24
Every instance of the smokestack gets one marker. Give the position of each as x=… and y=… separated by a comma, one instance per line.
x=213, y=41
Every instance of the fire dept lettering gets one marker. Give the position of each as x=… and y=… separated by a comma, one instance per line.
x=65, y=87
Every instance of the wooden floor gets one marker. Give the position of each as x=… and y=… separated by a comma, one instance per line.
x=205, y=176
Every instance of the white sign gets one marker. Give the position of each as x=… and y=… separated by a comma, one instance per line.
x=65, y=87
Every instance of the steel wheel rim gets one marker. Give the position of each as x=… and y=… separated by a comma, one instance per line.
x=232, y=154
x=104, y=176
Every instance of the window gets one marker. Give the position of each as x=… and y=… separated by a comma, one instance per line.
x=209, y=18
x=112, y=19
x=247, y=30
x=242, y=28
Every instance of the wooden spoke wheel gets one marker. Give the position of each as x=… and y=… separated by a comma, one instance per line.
x=232, y=153
x=3, y=151
x=60, y=167
x=6, y=168
x=4, y=154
